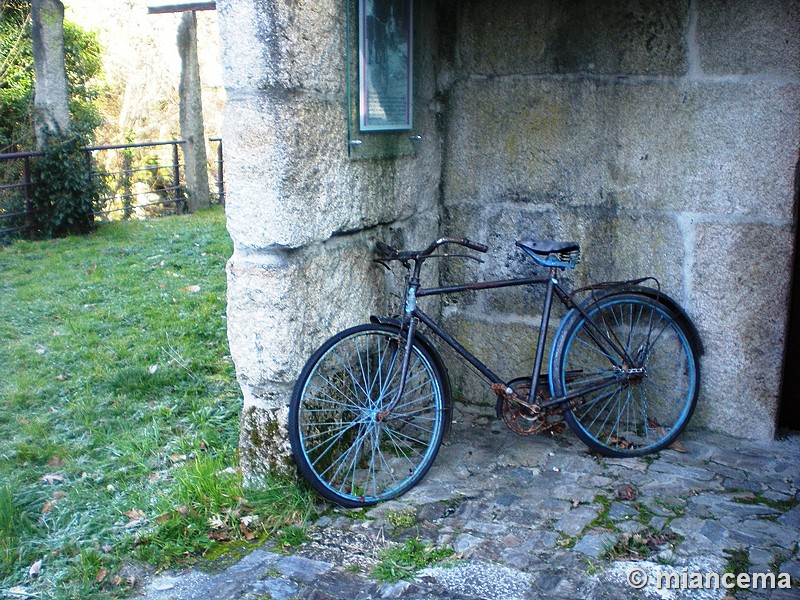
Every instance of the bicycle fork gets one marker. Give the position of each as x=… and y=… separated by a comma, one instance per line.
x=410, y=323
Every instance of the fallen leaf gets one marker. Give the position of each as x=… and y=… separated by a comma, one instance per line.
x=177, y=457
x=627, y=492
x=191, y=289
x=678, y=447
x=249, y=520
x=52, y=478
x=246, y=532
x=152, y=369
x=216, y=522
x=18, y=590
x=35, y=568
x=101, y=575
x=54, y=461
x=136, y=517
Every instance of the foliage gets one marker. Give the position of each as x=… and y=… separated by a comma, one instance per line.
x=402, y=562
x=65, y=193
x=120, y=421
x=637, y=546
x=83, y=63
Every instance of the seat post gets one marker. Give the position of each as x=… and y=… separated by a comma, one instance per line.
x=537, y=363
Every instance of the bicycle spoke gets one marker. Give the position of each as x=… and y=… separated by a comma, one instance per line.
x=657, y=382
x=358, y=387
x=343, y=444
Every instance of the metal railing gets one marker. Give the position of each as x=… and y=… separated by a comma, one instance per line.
x=16, y=198
x=140, y=180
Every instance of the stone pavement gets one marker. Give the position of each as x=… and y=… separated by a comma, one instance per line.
x=540, y=517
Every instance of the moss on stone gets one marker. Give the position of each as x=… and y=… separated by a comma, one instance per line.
x=264, y=444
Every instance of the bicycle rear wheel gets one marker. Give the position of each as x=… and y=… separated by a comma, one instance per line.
x=343, y=445
x=634, y=360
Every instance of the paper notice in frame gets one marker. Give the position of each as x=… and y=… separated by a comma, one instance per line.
x=384, y=57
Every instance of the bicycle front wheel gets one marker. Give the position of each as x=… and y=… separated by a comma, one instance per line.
x=633, y=371
x=344, y=443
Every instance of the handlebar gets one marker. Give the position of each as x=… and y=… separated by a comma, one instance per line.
x=389, y=253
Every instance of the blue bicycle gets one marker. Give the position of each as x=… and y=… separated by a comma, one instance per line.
x=370, y=408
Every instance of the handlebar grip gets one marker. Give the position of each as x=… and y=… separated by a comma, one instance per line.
x=475, y=246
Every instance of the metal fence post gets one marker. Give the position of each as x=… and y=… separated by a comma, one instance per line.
x=176, y=177
x=30, y=223
x=220, y=178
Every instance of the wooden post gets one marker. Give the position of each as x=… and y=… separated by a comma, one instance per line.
x=191, y=105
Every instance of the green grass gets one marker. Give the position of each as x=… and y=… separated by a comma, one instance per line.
x=120, y=420
x=402, y=562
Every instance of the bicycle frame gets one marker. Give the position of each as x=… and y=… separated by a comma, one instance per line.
x=412, y=313
x=552, y=286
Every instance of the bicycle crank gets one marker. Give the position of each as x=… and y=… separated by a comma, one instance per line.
x=518, y=416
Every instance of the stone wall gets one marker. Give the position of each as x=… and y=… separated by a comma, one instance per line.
x=302, y=215
x=661, y=136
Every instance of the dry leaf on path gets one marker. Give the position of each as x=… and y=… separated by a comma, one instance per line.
x=678, y=447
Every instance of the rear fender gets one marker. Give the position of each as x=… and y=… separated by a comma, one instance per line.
x=677, y=309
x=680, y=314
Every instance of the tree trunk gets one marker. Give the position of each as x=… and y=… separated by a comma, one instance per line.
x=191, y=115
x=51, y=100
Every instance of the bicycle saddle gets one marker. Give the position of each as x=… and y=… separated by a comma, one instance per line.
x=549, y=253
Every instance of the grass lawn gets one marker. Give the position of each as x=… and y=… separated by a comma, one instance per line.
x=119, y=409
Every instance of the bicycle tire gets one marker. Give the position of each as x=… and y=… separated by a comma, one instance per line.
x=651, y=388
x=341, y=446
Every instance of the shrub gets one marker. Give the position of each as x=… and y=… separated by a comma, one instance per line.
x=65, y=193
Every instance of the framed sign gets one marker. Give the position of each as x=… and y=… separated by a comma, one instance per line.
x=384, y=61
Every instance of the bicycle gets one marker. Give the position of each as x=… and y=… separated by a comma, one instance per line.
x=371, y=406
